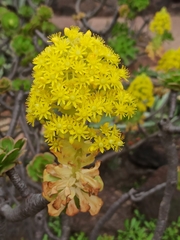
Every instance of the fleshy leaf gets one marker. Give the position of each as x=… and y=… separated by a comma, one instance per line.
x=9, y=152
x=2, y=156
x=36, y=167
x=9, y=160
x=11, y=156
x=19, y=144
x=7, y=144
x=4, y=169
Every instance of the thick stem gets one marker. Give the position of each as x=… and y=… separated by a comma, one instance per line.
x=172, y=158
x=2, y=228
x=39, y=221
x=29, y=207
x=65, y=227
x=173, y=99
x=18, y=183
x=16, y=112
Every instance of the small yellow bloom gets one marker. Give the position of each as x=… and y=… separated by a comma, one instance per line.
x=161, y=22
x=170, y=60
x=141, y=89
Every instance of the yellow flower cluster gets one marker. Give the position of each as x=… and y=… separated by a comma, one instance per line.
x=63, y=186
x=170, y=60
x=76, y=81
x=142, y=90
x=161, y=22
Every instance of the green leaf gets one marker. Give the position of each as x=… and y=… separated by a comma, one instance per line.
x=167, y=36
x=159, y=102
x=2, y=156
x=20, y=143
x=4, y=169
x=149, y=124
x=123, y=43
x=18, y=84
x=36, y=167
x=9, y=161
x=9, y=152
x=7, y=143
x=11, y=156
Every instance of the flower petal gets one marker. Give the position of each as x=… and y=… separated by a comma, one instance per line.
x=72, y=208
x=95, y=204
x=84, y=205
x=53, y=211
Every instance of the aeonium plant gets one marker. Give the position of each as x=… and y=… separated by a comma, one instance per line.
x=77, y=81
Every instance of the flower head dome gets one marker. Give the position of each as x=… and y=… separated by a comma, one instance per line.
x=77, y=80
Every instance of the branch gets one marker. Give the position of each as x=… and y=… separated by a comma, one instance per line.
x=14, y=68
x=139, y=196
x=146, y=21
x=85, y=22
x=23, y=72
x=110, y=212
x=173, y=98
x=32, y=5
x=168, y=126
x=18, y=183
x=26, y=131
x=91, y=13
x=35, y=41
x=2, y=218
x=172, y=158
x=33, y=204
x=5, y=105
x=39, y=221
x=16, y=111
x=158, y=110
x=134, y=195
x=2, y=228
x=111, y=154
x=65, y=227
x=49, y=233
x=3, y=43
x=41, y=36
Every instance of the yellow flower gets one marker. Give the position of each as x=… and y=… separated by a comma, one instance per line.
x=63, y=185
x=161, y=22
x=77, y=80
x=170, y=60
x=142, y=90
